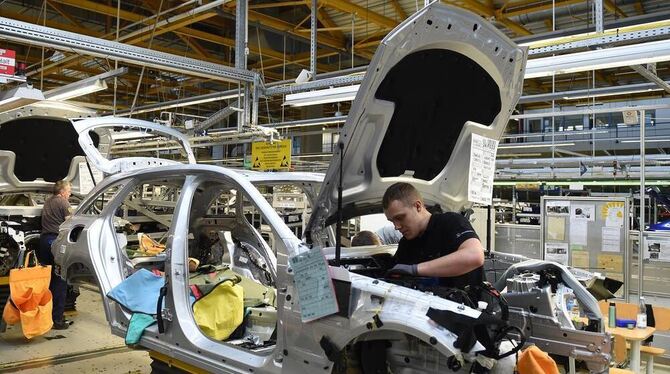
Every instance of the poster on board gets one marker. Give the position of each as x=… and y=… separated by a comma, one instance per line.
x=558, y=208
x=557, y=252
x=657, y=249
x=582, y=212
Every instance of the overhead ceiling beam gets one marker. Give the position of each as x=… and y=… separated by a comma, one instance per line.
x=64, y=14
x=359, y=11
x=276, y=4
x=191, y=43
x=528, y=7
x=298, y=59
x=283, y=26
x=325, y=19
x=166, y=26
x=398, y=9
x=610, y=6
x=490, y=12
x=253, y=16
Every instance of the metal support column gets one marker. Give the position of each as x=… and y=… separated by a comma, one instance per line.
x=598, y=14
x=241, y=52
x=640, y=251
x=312, y=40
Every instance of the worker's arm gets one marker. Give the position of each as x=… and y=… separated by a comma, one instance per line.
x=469, y=256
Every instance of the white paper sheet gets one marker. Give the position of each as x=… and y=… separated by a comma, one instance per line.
x=611, y=239
x=614, y=216
x=556, y=228
x=557, y=252
x=315, y=288
x=657, y=250
x=86, y=184
x=482, y=168
x=582, y=212
x=578, y=232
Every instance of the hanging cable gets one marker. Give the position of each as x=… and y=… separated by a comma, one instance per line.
x=44, y=23
x=116, y=62
x=353, y=26
x=139, y=82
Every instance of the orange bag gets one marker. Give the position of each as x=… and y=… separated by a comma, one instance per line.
x=533, y=361
x=30, y=297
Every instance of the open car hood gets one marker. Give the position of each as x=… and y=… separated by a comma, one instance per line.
x=439, y=77
x=38, y=146
x=108, y=131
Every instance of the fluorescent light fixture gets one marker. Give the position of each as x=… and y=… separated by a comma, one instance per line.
x=646, y=141
x=83, y=87
x=582, y=97
x=330, y=95
x=75, y=90
x=535, y=145
x=19, y=97
x=520, y=155
x=634, y=54
x=308, y=122
x=187, y=101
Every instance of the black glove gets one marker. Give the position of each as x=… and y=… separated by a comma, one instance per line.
x=402, y=269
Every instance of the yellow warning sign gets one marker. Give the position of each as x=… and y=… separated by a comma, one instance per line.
x=271, y=155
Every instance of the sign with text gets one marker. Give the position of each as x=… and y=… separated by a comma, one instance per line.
x=7, y=61
x=271, y=155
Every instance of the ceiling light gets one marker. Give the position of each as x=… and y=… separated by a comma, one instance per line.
x=330, y=95
x=582, y=97
x=635, y=54
x=544, y=145
x=188, y=101
x=646, y=141
x=75, y=90
x=308, y=122
x=83, y=87
x=18, y=97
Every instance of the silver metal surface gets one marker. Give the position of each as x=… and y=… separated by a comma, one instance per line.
x=599, y=15
x=369, y=117
x=102, y=163
x=651, y=76
x=217, y=117
x=53, y=38
x=321, y=83
x=522, y=282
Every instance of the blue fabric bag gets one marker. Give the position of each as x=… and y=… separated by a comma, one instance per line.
x=139, y=292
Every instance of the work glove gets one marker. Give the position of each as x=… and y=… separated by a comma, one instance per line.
x=402, y=269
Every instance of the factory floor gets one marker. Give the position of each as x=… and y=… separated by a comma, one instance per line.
x=86, y=347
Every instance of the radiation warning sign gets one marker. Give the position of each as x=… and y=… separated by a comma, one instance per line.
x=271, y=155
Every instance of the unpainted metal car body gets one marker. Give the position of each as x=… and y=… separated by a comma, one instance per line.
x=444, y=72
x=38, y=146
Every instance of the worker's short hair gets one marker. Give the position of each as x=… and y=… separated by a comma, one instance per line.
x=365, y=237
x=401, y=191
x=59, y=186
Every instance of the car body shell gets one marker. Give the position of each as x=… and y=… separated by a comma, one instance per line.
x=378, y=310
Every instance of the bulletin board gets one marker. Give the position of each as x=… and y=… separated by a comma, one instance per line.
x=589, y=233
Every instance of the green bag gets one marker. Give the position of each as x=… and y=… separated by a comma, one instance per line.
x=220, y=311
